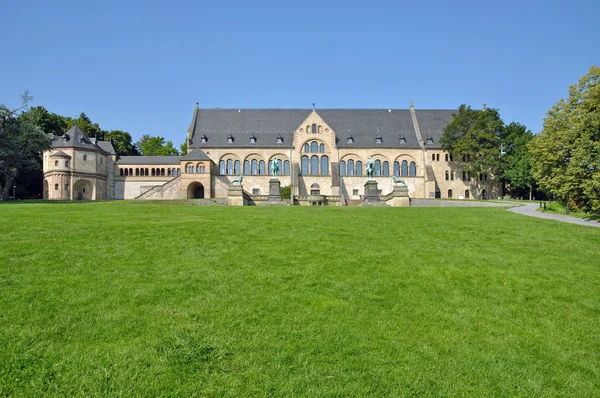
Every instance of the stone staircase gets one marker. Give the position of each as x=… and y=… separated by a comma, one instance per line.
x=157, y=191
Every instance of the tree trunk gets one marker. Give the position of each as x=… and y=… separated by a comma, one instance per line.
x=6, y=188
x=530, y=192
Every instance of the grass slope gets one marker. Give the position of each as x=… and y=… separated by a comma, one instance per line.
x=146, y=299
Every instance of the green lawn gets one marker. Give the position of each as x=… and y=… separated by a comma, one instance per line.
x=146, y=299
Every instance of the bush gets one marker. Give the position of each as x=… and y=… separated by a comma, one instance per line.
x=286, y=192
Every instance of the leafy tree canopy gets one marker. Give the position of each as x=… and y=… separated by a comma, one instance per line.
x=85, y=123
x=21, y=143
x=565, y=156
x=481, y=143
x=474, y=135
x=156, y=146
x=121, y=142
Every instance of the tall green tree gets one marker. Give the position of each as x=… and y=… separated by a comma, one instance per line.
x=515, y=162
x=473, y=138
x=122, y=142
x=50, y=123
x=21, y=143
x=156, y=146
x=565, y=156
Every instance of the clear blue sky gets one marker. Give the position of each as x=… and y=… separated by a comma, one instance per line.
x=140, y=66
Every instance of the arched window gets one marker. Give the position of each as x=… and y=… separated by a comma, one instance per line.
x=306, y=148
x=168, y=172
x=229, y=166
x=121, y=172
x=304, y=165
x=449, y=193
x=350, y=167
x=467, y=194
x=359, y=168
x=447, y=175
x=446, y=157
x=314, y=165
x=56, y=164
x=314, y=128
x=315, y=189
x=433, y=157
x=437, y=157
x=464, y=176
x=377, y=167
x=386, y=169
x=413, y=169
x=56, y=187
x=286, y=167
x=261, y=168
x=246, y=167
x=322, y=148
x=324, y=165
x=314, y=147
x=236, y=167
x=342, y=168
x=131, y=171
x=396, y=168
x=452, y=175
x=404, y=169
x=178, y=171
x=162, y=172
x=280, y=164
x=222, y=167
x=254, y=167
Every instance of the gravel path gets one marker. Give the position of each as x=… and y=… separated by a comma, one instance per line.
x=530, y=209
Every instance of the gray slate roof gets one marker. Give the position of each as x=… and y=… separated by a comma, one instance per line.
x=150, y=160
x=61, y=154
x=432, y=123
x=76, y=138
x=264, y=124
x=364, y=125
x=106, y=147
x=196, y=154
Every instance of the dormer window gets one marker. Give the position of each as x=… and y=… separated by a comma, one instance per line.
x=429, y=140
x=350, y=139
x=204, y=138
x=230, y=139
x=252, y=139
x=280, y=140
x=378, y=140
x=402, y=139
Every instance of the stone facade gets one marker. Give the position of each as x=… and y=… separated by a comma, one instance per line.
x=322, y=156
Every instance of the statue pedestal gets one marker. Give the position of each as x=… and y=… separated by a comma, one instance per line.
x=371, y=197
x=235, y=195
x=400, y=196
x=274, y=190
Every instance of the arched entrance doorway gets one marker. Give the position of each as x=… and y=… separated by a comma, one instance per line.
x=467, y=194
x=449, y=194
x=438, y=193
x=83, y=190
x=195, y=191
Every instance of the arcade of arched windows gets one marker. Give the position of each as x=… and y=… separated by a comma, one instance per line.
x=252, y=165
x=314, y=147
x=195, y=168
x=149, y=171
x=314, y=128
x=405, y=167
x=352, y=166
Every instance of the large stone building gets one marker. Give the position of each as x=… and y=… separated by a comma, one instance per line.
x=321, y=153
